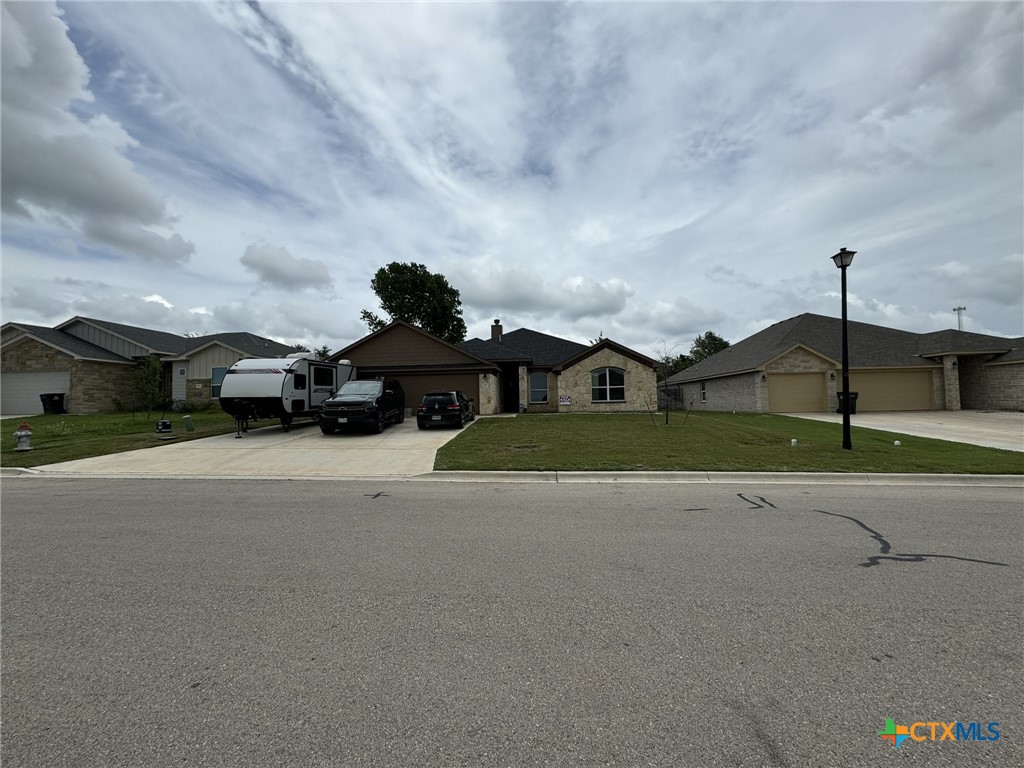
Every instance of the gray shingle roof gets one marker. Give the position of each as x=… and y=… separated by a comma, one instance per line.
x=76, y=346
x=159, y=341
x=540, y=349
x=247, y=343
x=870, y=345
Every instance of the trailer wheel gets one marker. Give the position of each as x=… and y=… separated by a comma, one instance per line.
x=286, y=421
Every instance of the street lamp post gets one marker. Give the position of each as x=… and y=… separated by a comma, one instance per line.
x=843, y=259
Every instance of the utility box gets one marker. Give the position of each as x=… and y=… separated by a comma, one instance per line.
x=164, y=425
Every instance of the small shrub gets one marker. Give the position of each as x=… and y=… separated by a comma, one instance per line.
x=194, y=406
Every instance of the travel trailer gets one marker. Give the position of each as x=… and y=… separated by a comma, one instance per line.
x=281, y=388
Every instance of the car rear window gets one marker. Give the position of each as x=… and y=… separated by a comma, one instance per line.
x=438, y=399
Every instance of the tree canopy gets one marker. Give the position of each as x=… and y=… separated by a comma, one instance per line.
x=322, y=353
x=706, y=345
x=412, y=293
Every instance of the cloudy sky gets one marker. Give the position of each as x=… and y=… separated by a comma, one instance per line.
x=642, y=171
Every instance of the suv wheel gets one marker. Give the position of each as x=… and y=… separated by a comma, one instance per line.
x=379, y=425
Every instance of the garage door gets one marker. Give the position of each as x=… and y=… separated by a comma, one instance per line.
x=415, y=386
x=20, y=391
x=797, y=393
x=892, y=390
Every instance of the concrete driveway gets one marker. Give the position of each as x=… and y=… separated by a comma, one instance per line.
x=400, y=451
x=993, y=429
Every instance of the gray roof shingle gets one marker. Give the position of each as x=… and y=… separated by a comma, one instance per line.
x=870, y=345
x=76, y=346
x=540, y=349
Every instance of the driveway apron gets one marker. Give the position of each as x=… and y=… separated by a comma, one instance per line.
x=401, y=450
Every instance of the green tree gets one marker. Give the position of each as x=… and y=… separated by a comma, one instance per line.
x=673, y=364
x=147, y=382
x=411, y=293
x=707, y=345
x=322, y=353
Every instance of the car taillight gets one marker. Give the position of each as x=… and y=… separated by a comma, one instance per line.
x=421, y=407
x=454, y=407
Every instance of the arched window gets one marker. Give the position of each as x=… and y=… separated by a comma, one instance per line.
x=538, y=387
x=608, y=385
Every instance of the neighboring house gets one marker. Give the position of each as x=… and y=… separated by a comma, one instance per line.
x=91, y=362
x=795, y=366
x=540, y=372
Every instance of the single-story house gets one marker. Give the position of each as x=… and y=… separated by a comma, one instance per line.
x=521, y=370
x=795, y=366
x=91, y=363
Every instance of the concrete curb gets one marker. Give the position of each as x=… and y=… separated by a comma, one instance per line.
x=711, y=478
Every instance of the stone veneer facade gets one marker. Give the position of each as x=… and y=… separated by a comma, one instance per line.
x=641, y=385
x=94, y=386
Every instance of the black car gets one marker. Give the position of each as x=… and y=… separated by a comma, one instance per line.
x=449, y=406
x=363, y=403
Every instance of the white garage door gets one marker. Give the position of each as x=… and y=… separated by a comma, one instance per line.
x=20, y=390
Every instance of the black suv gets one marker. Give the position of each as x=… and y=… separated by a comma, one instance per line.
x=449, y=406
x=364, y=403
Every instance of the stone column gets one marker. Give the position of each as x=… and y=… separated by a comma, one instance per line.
x=951, y=379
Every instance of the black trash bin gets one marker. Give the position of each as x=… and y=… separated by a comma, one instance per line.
x=853, y=401
x=53, y=402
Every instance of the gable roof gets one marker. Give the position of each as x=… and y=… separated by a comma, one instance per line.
x=532, y=347
x=869, y=346
x=614, y=346
x=395, y=324
x=160, y=343
x=65, y=342
x=247, y=344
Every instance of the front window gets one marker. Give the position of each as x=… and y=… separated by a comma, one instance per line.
x=216, y=379
x=608, y=385
x=538, y=387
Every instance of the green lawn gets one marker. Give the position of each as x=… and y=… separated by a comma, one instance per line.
x=707, y=441
x=64, y=438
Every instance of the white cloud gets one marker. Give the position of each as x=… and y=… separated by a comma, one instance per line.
x=276, y=267
x=649, y=171
x=71, y=171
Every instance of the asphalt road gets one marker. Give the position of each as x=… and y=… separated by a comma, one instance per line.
x=207, y=623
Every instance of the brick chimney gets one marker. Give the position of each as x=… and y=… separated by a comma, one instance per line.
x=496, y=330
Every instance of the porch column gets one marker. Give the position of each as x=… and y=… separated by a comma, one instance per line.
x=951, y=382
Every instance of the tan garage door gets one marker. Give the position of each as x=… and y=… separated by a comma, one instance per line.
x=797, y=393
x=892, y=390
x=416, y=385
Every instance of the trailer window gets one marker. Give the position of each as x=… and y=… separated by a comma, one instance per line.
x=323, y=377
x=300, y=381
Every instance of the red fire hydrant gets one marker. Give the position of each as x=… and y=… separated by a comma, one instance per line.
x=24, y=437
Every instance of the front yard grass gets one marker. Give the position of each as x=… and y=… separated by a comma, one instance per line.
x=720, y=442
x=57, y=438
